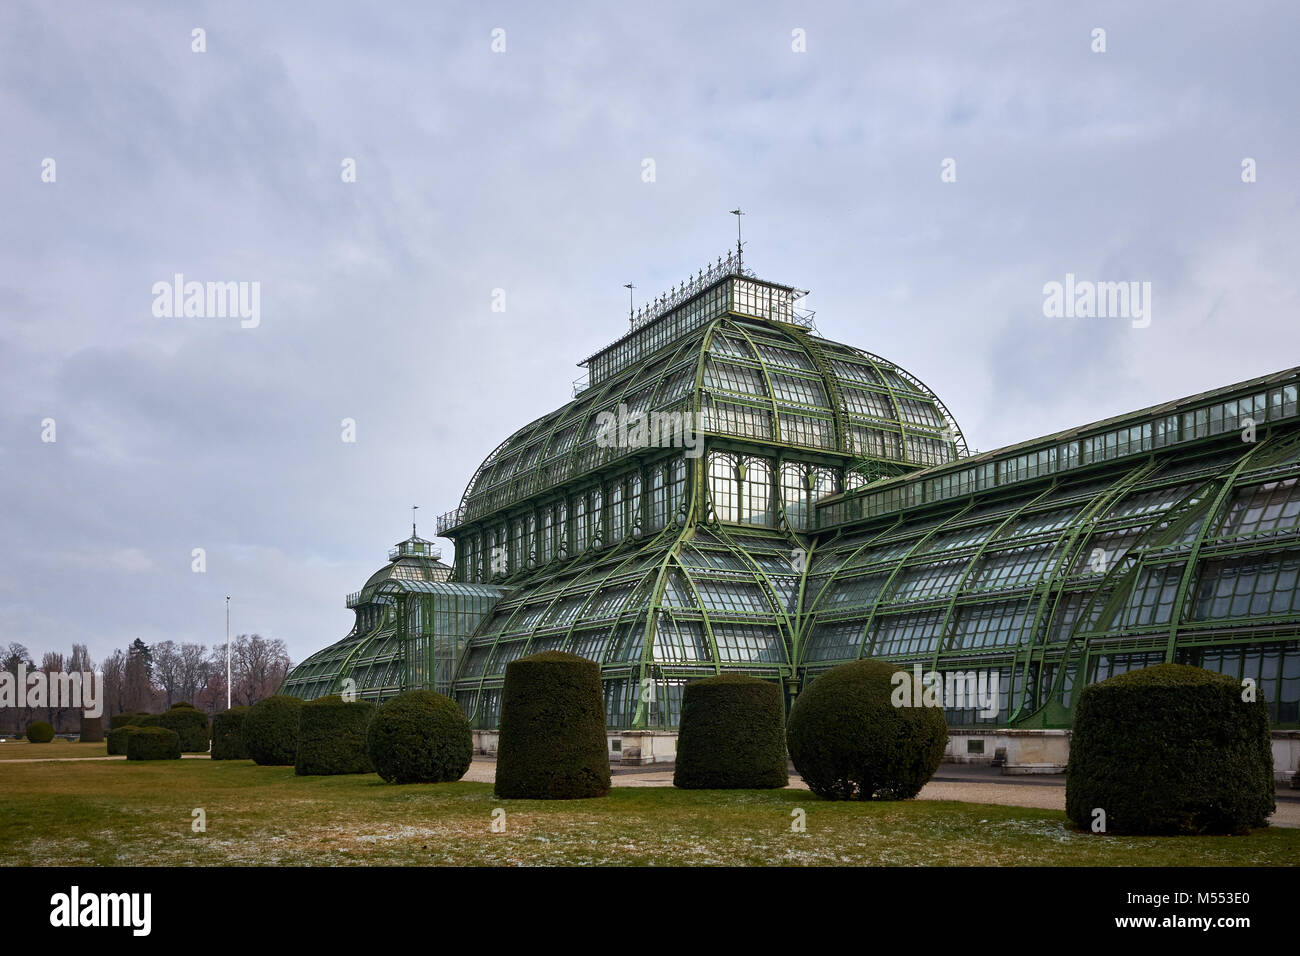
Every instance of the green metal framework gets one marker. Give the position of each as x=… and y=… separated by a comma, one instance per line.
x=818, y=504
x=410, y=631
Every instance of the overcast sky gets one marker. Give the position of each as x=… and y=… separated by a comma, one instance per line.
x=524, y=170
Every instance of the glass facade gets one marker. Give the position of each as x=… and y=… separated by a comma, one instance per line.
x=734, y=493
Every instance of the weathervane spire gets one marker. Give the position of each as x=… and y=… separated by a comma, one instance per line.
x=630, y=315
x=739, y=248
x=414, y=509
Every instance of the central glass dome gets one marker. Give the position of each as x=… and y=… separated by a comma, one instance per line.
x=679, y=556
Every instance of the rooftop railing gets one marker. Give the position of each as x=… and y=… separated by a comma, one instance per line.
x=450, y=520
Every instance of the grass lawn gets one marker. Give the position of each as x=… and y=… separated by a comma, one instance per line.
x=117, y=813
x=22, y=750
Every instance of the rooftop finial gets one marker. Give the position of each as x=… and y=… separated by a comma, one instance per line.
x=631, y=314
x=414, y=509
x=739, y=263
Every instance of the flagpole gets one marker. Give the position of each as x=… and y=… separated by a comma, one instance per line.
x=227, y=652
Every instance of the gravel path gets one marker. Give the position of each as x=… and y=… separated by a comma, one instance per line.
x=963, y=783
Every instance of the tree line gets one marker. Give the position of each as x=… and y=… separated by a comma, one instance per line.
x=153, y=677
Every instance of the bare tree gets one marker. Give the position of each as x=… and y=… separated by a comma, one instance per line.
x=114, y=670
x=193, y=676
x=15, y=656
x=52, y=665
x=167, y=669
x=259, y=666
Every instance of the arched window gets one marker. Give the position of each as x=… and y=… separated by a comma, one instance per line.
x=580, y=524
x=658, y=497
x=724, y=485
x=634, y=519
x=544, y=541
x=755, y=476
x=794, y=494
x=616, y=515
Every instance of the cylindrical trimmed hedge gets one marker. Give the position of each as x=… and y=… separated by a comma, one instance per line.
x=1169, y=749
x=39, y=732
x=849, y=742
x=732, y=735
x=124, y=718
x=153, y=743
x=227, y=734
x=92, y=730
x=552, y=730
x=332, y=737
x=190, y=725
x=420, y=737
x=117, y=738
x=270, y=731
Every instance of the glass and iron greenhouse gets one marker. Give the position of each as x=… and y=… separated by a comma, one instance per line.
x=730, y=492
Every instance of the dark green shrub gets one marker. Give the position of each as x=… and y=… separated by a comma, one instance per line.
x=732, y=735
x=420, y=737
x=1170, y=749
x=153, y=743
x=270, y=731
x=227, y=737
x=117, y=738
x=849, y=742
x=332, y=737
x=92, y=730
x=39, y=732
x=190, y=725
x=182, y=704
x=124, y=718
x=148, y=720
x=552, y=729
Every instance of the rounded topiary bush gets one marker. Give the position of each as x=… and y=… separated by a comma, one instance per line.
x=227, y=736
x=732, y=735
x=39, y=732
x=420, y=737
x=182, y=704
x=849, y=742
x=92, y=730
x=153, y=743
x=270, y=731
x=190, y=725
x=148, y=720
x=332, y=737
x=124, y=718
x=117, y=738
x=1169, y=749
x=552, y=729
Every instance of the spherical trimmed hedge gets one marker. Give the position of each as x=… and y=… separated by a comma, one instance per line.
x=420, y=737
x=92, y=730
x=732, y=735
x=117, y=738
x=153, y=743
x=1170, y=749
x=270, y=730
x=190, y=725
x=182, y=704
x=124, y=718
x=148, y=720
x=849, y=742
x=39, y=732
x=332, y=737
x=227, y=736
x=552, y=743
